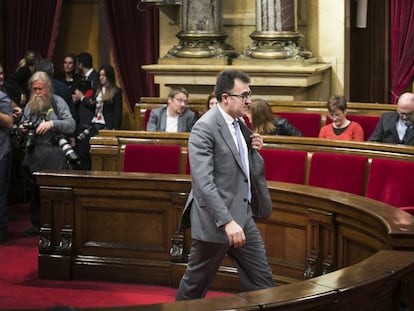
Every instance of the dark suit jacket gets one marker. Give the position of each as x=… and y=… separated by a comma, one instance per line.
x=218, y=180
x=386, y=131
x=112, y=111
x=158, y=120
x=64, y=91
x=85, y=110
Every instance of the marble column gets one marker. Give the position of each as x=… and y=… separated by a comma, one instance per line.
x=201, y=34
x=276, y=35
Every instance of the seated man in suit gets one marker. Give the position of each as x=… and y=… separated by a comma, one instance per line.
x=396, y=127
x=175, y=117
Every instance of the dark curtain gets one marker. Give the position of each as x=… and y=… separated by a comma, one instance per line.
x=29, y=25
x=402, y=46
x=134, y=40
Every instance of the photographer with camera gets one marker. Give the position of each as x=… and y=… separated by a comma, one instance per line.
x=45, y=117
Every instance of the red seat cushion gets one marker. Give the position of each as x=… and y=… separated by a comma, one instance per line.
x=368, y=123
x=338, y=172
x=284, y=165
x=147, y=158
x=308, y=123
x=391, y=181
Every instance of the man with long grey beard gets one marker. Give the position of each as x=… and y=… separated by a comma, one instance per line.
x=45, y=117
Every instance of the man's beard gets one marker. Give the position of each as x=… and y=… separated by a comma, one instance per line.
x=39, y=103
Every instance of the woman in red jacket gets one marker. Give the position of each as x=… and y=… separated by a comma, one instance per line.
x=341, y=128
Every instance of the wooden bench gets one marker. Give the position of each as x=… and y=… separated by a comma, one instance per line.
x=351, y=161
x=367, y=114
x=115, y=226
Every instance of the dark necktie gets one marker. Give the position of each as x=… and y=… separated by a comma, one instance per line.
x=242, y=153
x=407, y=132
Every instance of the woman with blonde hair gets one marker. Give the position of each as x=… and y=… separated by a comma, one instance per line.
x=265, y=122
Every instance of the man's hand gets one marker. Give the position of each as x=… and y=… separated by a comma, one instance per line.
x=77, y=95
x=17, y=112
x=43, y=127
x=235, y=234
x=257, y=141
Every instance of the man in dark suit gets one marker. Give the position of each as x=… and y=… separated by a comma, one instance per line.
x=397, y=127
x=84, y=108
x=175, y=117
x=228, y=191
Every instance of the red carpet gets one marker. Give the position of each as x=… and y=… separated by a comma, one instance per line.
x=21, y=288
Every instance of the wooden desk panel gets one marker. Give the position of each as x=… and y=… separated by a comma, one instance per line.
x=119, y=226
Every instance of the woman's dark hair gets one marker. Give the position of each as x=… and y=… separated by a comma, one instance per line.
x=336, y=102
x=212, y=95
x=111, y=87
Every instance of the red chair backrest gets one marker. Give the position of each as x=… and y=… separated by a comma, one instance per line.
x=187, y=165
x=308, y=123
x=368, y=123
x=284, y=165
x=338, y=172
x=391, y=181
x=147, y=158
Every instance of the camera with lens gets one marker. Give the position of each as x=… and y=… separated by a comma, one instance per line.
x=31, y=127
x=88, y=132
x=64, y=144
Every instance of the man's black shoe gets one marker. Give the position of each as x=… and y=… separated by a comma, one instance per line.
x=31, y=232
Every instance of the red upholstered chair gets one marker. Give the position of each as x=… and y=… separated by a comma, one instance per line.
x=391, y=181
x=308, y=123
x=368, y=123
x=187, y=165
x=146, y=158
x=338, y=172
x=285, y=165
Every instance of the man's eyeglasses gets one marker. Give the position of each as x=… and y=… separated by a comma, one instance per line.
x=243, y=96
x=180, y=100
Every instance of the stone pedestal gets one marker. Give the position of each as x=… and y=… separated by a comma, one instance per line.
x=201, y=34
x=276, y=79
x=276, y=35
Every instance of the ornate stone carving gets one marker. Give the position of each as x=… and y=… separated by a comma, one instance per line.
x=201, y=34
x=276, y=35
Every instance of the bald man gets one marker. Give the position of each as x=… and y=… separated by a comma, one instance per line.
x=397, y=127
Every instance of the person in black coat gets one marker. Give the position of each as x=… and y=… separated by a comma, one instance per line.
x=69, y=75
x=265, y=122
x=84, y=108
x=18, y=81
x=107, y=104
